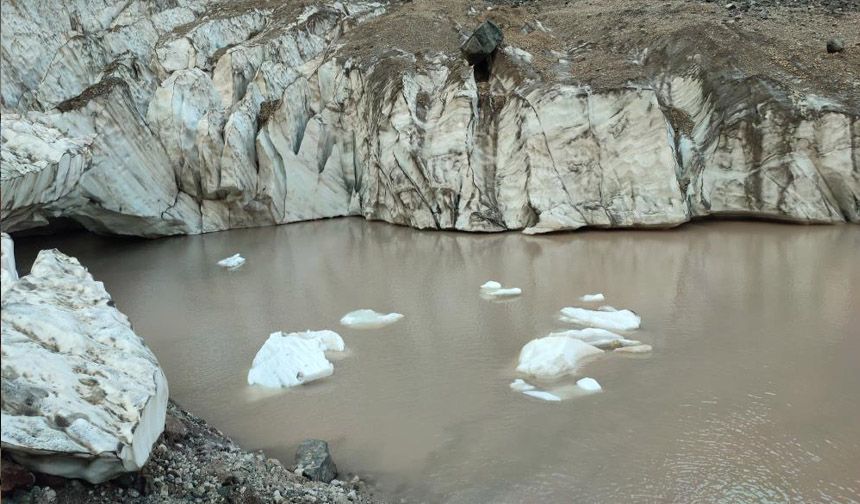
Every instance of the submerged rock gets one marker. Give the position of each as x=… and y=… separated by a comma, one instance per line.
x=314, y=460
x=83, y=397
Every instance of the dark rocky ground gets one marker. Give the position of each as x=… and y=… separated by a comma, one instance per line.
x=191, y=463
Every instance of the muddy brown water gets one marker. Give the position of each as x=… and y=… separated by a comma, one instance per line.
x=752, y=393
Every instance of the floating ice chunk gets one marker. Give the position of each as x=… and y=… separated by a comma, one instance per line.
x=287, y=360
x=521, y=385
x=592, y=298
x=512, y=291
x=553, y=356
x=616, y=320
x=601, y=338
x=635, y=349
x=232, y=262
x=540, y=394
x=589, y=385
x=369, y=319
x=493, y=289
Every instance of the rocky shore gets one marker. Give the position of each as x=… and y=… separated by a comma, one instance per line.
x=191, y=462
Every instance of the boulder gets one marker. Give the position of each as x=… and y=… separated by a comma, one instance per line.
x=314, y=460
x=83, y=397
x=483, y=41
x=835, y=45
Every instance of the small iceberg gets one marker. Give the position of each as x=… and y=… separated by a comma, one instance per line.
x=600, y=338
x=553, y=356
x=540, y=394
x=592, y=298
x=589, y=385
x=287, y=360
x=232, y=262
x=605, y=318
x=634, y=349
x=521, y=385
x=369, y=319
x=493, y=289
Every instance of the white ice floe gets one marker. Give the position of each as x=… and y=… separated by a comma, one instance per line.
x=601, y=338
x=589, y=385
x=540, y=394
x=553, y=356
x=634, y=349
x=232, y=262
x=614, y=320
x=493, y=289
x=521, y=385
x=369, y=319
x=287, y=360
x=592, y=298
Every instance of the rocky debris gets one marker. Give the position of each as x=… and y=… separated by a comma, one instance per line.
x=83, y=397
x=835, y=45
x=203, y=467
x=14, y=477
x=174, y=429
x=482, y=43
x=314, y=461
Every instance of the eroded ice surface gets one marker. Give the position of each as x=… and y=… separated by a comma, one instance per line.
x=589, y=385
x=287, y=360
x=493, y=289
x=592, y=298
x=600, y=338
x=232, y=262
x=369, y=319
x=541, y=394
x=604, y=318
x=553, y=356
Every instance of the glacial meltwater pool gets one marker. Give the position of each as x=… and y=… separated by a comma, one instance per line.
x=752, y=392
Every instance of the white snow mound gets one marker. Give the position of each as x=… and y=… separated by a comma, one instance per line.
x=287, y=360
x=369, y=319
x=553, y=356
x=232, y=262
x=614, y=320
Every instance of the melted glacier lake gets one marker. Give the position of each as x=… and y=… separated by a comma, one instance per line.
x=751, y=394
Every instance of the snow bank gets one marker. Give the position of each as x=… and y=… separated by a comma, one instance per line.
x=287, y=360
x=592, y=298
x=605, y=318
x=553, y=356
x=369, y=319
x=589, y=385
x=600, y=338
x=493, y=289
x=540, y=394
x=232, y=262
